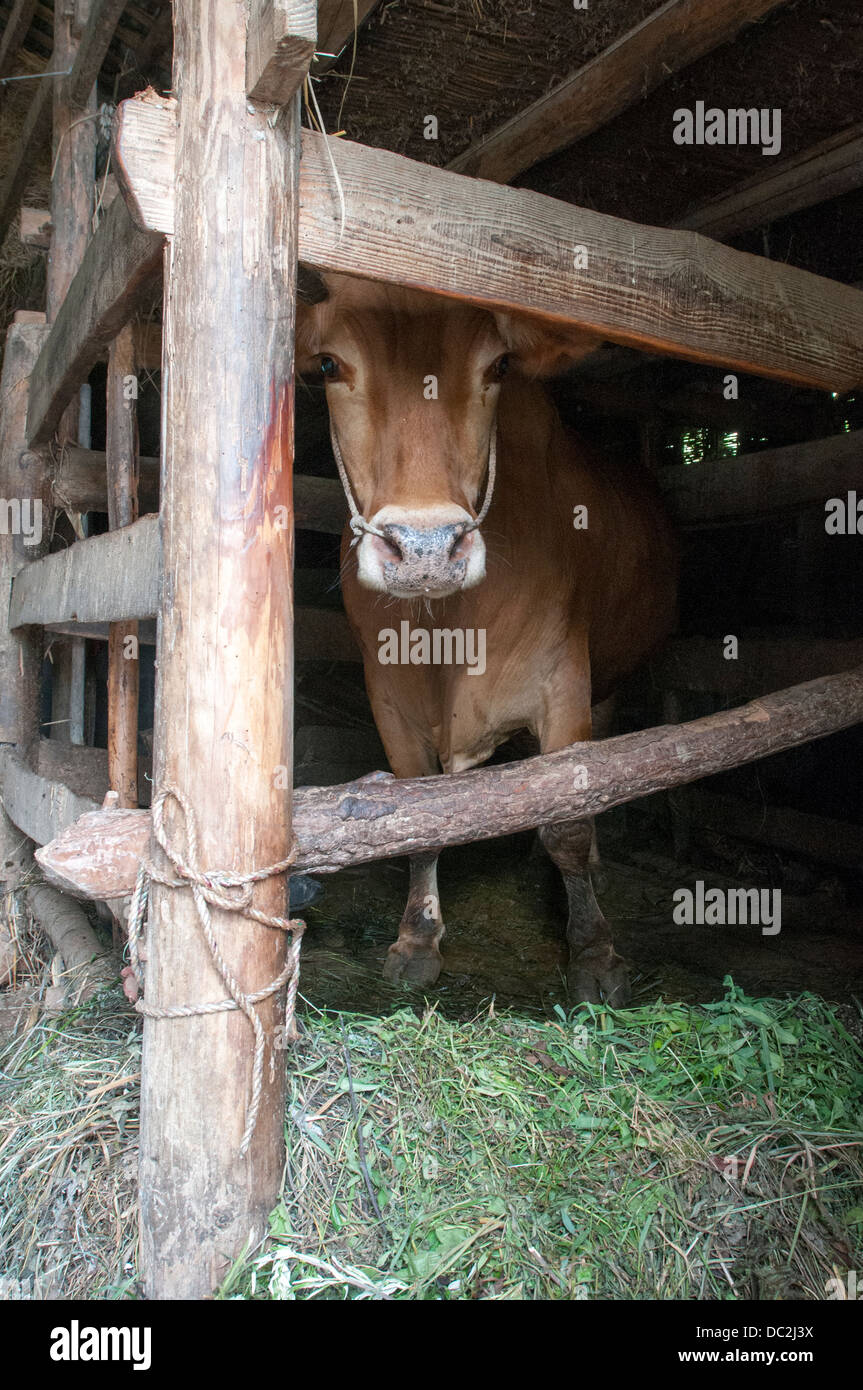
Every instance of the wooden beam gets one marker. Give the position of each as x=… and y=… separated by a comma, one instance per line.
x=94, y=42
x=35, y=127
x=280, y=43
x=15, y=33
x=669, y=39
x=763, y=664
x=336, y=20
x=377, y=818
x=823, y=171
x=122, y=481
x=39, y=807
x=225, y=618
x=830, y=841
x=80, y=481
x=752, y=484
x=668, y=291
x=107, y=578
x=117, y=271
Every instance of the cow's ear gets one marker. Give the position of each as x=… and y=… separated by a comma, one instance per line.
x=543, y=349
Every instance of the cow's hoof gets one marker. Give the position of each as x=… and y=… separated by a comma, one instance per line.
x=589, y=982
x=406, y=966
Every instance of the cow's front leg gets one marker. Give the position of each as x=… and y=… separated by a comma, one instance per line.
x=415, y=958
x=594, y=965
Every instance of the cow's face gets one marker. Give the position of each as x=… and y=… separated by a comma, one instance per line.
x=412, y=386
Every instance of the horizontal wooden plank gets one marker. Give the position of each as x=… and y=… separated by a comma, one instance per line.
x=336, y=20
x=752, y=484
x=280, y=42
x=663, y=290
x=117, y=272
x=823, y=171
x=38, y=806
x=104, y=579
x=763, y=664
x=830, y=841
x=669, y=39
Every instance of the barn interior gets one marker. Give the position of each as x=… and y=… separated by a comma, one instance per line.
x=746, y=470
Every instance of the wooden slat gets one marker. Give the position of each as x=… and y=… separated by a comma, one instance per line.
x=335, y=27
x=763, y=664
x=94, y=44
x=280, y=43
x=670, y=291
x=824, y=171
x=103, y=579
x=15, y=33
x=831, y=841
x=669, y=39
x=752, y=484
x=38, y=806
x=117, y=271
x=34, y=128
x=80, y=481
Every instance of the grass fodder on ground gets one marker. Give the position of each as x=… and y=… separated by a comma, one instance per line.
x=669, y=1151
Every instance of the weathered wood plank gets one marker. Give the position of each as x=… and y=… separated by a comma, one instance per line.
x=39, y=807
x=370, y=819
x=94, y=43
x=671, y=38
x=824, y=171
x=663, y=290
x=33, y=130
x=763, y=664
x=280, y=43
x=80, y=481
x=104, y=579
x=830, y=841
x=122, y=479
x=752, y=484
x=335, y=26
x=117, y=271
x=14, y=33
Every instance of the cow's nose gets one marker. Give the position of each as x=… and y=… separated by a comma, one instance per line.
x=413, y=545
x=424, y=561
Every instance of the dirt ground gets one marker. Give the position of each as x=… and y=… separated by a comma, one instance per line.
x=504, y=909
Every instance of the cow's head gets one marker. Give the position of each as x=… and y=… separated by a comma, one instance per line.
x=412, y=383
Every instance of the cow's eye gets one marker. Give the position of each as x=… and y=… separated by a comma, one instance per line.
x=329, y=367
x=501, y=366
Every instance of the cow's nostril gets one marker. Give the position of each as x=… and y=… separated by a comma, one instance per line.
x=389, y=548
x=461, y=545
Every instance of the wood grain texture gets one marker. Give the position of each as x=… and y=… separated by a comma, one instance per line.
x=279, y=46
x=117, y=272
x=224, y=717
x=671, y=38
x=752, y=484
x=106, y=578
x=122, y=488
x=94, y=42
x=659, y=290
x=375, y=819
x=79, y=481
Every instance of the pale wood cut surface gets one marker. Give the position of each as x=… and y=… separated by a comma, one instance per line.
x=279, y=47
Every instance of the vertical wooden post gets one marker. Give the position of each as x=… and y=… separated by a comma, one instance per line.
x=72, y=197
x=121, y=450
x=224, y=696
x=22, y=476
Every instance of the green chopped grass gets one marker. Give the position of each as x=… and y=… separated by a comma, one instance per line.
x=671, y=1151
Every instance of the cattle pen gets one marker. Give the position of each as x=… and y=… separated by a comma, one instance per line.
x=180, y=257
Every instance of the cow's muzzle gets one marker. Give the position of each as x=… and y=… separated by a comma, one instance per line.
x=406, y=559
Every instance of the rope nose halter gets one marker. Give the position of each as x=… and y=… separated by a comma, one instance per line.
x=361, y=527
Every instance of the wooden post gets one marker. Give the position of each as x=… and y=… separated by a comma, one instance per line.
x=23, y=476
x=72, y=196
x=224, y=698
x=123, y=665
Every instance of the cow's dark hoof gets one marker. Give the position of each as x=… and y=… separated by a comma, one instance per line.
x=591, y=982
x=407, y=965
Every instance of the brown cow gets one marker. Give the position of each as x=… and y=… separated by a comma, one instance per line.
x=420, y=403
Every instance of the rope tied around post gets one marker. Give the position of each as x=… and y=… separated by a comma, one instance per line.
x=231, y=892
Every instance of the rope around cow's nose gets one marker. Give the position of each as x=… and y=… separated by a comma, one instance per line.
x=361, y=527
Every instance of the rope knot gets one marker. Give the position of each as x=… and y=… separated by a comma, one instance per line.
x=230, y=892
